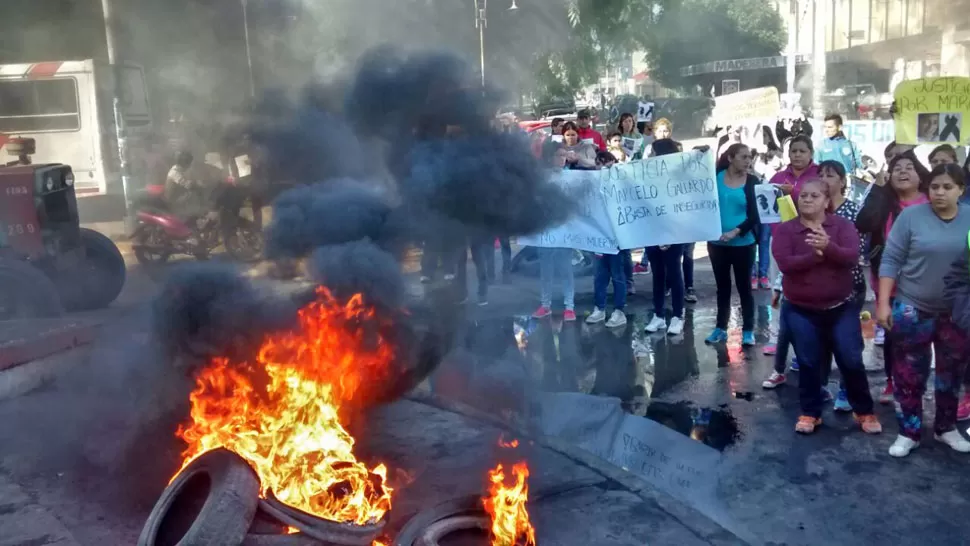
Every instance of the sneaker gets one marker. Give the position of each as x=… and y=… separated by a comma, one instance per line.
x=542, y=312
x=770, y=350
x=774, y=380
x=569, y=315
x=902, y=446
x=754, y=283
x=617, y=319
x=482, y=302
x=954, y=440
x=842, y=402
x=794, y=364
x=690, y=296
x=869, y=423
x=667, y=293
x=641, y=269
x=807, y=425
x=880, y=338
x=963, y=410
x=747, y=339
x=425, y=279
x=826, y=395
x=656, y=324
x=886, y=397
x=764, y=283
x=676, y=326
x=449, y=276
x=717, y=336
x=598, y=315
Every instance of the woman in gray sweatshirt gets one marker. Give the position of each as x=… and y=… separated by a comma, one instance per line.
x=579, y=154
x=923, y=242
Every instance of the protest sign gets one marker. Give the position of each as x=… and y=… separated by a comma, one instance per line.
x=767, y=198
x=754, y=104
x=632, y=145
x=590, y=227
x=644, y=111
x=932, y=111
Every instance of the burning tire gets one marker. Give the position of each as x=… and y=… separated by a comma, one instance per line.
x=26, y=292
x=211, y=502
x=100, y=278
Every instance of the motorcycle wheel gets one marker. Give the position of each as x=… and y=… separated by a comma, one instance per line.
x=151, y=245
x=245, y=243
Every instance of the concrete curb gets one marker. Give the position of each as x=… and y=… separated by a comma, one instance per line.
x=700, y=524
x=31, y=340
x=24, y=522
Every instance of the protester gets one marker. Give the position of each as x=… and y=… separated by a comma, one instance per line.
x=957, y=294
x=586, y=132
x=874, y=221
x=609, y=267
x=554, y=142
x=479, y=247
x=835, y=146
x=689, y=295
x=556, y=263
x=614, y=145
x=800, y=167
x=663, y=129
x=627, y=128
x=780, y=348
x=578, y=154
x=921, y=247
x=735, y=248
x=942, y=154
x=605, y=160
x=666, y=263
x=816, y=253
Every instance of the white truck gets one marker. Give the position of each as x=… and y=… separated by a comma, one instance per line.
x=67, y=108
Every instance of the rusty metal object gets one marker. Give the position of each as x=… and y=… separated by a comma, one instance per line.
x=328, y=532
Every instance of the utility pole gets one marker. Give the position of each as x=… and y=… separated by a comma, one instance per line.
x=792, y=45
x=111, y=43
x=249, y=53
x=820, y=26
x=481, y=22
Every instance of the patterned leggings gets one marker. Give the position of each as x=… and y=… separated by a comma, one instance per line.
x=913, y=333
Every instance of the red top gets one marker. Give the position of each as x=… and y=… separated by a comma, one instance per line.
x=590, y=133
x=787, y=176
x=810, y=280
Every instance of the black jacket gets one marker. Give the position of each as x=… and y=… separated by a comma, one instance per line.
x=956, y=291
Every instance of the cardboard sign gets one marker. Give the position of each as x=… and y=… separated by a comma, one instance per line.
x=663, y=200
x=644, y=112
x=933, y=110
x=754, y=104
x=767, y=198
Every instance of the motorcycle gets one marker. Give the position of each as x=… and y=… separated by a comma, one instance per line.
x=159, y=234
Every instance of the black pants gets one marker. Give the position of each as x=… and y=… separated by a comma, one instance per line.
x=506, y=257
x=443, y=253
x=480, y=249
x=724, y=260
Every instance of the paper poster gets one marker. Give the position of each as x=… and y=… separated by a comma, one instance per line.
x=767, y=198
x=243, y=166
x=556, y=138
x=663, y=200
x=932, y=111
x=644, y=112
x=754, y=104
x=631, y=145
x=589, y=141
x=791, y=105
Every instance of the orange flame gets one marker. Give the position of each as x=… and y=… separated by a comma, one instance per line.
x=282, y=412
x=506, y=506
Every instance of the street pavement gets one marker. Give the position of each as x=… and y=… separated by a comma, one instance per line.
x=67, y=446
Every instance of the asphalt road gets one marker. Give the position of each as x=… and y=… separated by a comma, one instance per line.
x=66, y=446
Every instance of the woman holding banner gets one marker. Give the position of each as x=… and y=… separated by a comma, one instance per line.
x=735, y=249
x=816, y=253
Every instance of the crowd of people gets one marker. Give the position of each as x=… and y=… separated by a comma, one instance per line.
x=910, y=228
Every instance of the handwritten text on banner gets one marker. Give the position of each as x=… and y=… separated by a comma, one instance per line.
x=659, y=201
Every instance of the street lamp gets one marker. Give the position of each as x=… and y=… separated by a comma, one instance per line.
x=481, y=21
x=249, y=53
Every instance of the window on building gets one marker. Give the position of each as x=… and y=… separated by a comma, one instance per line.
x=859, y=29
x=29, y=106
x=897, y=19
x=914, y=17
x=840, y=23
x=877, y=23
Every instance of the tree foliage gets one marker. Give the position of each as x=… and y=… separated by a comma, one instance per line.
x=690, y=32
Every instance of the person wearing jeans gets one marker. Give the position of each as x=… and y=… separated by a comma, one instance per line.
x=759, y=269
x=555, y=264
x=480, y=248
x=666, y=264
x=689, y=295
x=609, y=267
x=734, y=251
x=922, y=245
x=816, y=253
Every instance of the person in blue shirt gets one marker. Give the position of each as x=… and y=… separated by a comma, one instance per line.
x=836, y=147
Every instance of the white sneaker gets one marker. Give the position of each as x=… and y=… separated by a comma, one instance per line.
x=774, y=380
x=449, y=277
x=903, y=446
x=618, y=318
x=676, y=326
x=656, y=323
x=954, y=440
x=880, y=338
x=598, y=315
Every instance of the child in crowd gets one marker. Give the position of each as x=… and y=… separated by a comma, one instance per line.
x=614, y=145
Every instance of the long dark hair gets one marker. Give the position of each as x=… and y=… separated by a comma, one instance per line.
x=804, y=140
x=724, y=161
x=954, y=171
x=619, y=124
x=836, y=167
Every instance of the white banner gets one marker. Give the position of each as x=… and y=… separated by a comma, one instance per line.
x=663, y=200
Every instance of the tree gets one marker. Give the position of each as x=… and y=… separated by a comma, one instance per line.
x=690, y=32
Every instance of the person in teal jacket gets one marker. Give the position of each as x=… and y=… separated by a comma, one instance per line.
x=836, y=147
